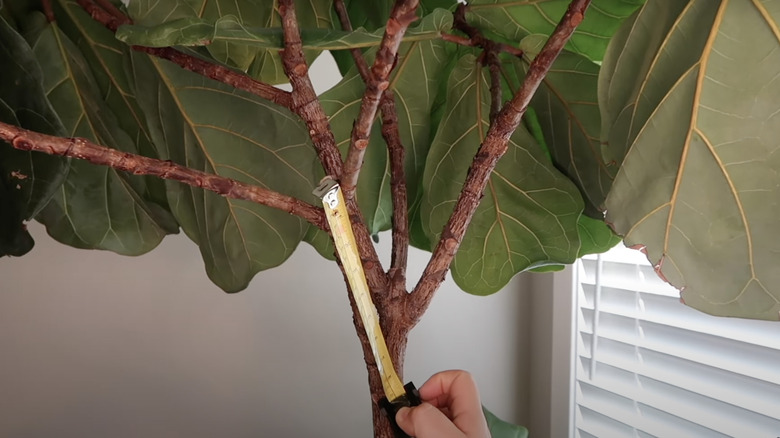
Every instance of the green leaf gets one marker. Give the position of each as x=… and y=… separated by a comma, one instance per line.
x=428, y=6
x=28, y=179
x=16, y=11
x=96, y=207
x=414, y=81
x=108, y=62
x=534, y=127
x=258, y=61
x=596, y=236
x=501, y=429
x=528, y=215
x=229, y=29
x=514, y=19
x=211, y=127
x=369, y=15
x=699, y=181
x=567, y=109
x=417, y=235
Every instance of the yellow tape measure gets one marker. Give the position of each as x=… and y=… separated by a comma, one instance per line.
x=341, y=229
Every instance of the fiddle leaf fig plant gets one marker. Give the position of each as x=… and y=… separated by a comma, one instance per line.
x=501, y=136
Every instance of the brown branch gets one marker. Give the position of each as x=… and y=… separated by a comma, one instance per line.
x=492, y=148
x=221, y=74
x=357, y=54
x=101, y=15
x=114, y=11
x=193, y=64
x=304, y=99
x=307, y=106
x=392, y=137
x=402, y=15
x=400, y=251
x=85, y=150
x=48, y=12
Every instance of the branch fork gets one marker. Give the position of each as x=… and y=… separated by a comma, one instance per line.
x=399, y=310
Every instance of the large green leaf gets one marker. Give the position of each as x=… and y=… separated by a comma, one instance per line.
x=515, y=19
x=107, y=59
x=528, y=215
x=96, y=207
x=211, y=127
x=414, y=82
x=28, y=179
x=261, y=63
x=228, y=29
x=699, y=183
x=566, y=106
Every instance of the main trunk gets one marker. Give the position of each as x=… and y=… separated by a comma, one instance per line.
x=396, y=339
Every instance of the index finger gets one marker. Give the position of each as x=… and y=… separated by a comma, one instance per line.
x=456, y=392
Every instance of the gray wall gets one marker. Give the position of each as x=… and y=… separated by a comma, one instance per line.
x=98, y=345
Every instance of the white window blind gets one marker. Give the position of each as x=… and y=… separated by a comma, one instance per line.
x=646, y=365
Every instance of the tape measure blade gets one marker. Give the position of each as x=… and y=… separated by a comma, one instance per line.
x=346, y=246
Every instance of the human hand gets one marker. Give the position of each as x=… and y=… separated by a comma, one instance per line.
x=451, y=409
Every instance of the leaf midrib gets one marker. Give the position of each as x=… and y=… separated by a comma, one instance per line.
x=93, y=44
x=170, y=87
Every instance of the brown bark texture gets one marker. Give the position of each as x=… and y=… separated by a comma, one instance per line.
x=85, y=150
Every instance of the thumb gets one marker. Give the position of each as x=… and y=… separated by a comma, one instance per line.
x=426, y=421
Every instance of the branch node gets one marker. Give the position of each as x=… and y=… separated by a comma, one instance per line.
x=300, y=69
x=451, y=244
x=361, y=144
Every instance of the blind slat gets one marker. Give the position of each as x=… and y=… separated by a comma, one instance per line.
x=649, y=366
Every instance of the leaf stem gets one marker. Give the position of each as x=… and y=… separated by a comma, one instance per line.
x=492, y=148
x=85, y=150
x=402, y=15
x=489, y=57
x=357, y=54
x=113, y=10
x=48, y=12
